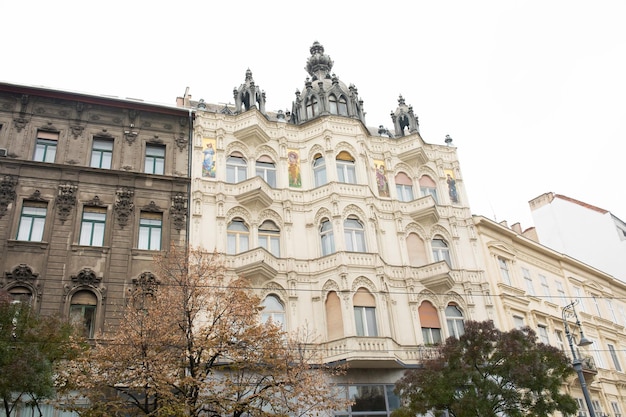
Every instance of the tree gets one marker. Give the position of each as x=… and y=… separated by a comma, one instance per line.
x=31, y=349
x=487, y=372
x=191, y=343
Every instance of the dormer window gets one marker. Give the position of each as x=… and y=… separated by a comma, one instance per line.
x=311, y=107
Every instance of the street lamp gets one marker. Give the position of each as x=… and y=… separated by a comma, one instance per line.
x=576, y=361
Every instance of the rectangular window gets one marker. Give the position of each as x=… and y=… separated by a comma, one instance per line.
x=616, y=411
x=155, y=159
x=582, y=407
x=518, y=322
x=101, y=153
x=559, y=340
x=46, y=146
x=504, y=271
x=597, y=357
x=609, y=306
x=529, y=281
x=542, y=331
x=150, y=226
x=544, y=285
x=596, y=408
x=405, y=192
x=92, y=226
x=85, y=317
x=365, y=318
x=578, y=292
x=561, y=293
x=613, y=353
x=594, y=300
x=32, y=221
x=431, y=336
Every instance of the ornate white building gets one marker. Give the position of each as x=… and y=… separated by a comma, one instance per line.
x=362, y=236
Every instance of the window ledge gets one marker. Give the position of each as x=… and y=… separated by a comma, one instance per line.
x=92, y=249
x=27, y=243
x=144, y=253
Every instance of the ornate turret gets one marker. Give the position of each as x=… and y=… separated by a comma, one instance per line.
x=323, y=93
x=404, y=119
x=249, y=95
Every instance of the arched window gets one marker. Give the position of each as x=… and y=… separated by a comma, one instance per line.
x=454, y=319
x=354, y=235
x=83, y=311
x=237, y=237
x=429, y=320
x=365, y=313
x=327, y=238
x=311, y=107
x=343, y=106
x=334, y=318
x=319, y=170
x=236, y=168
x=21, y=294
x=273, y=310
x=345, y=168
x=416, y=250
x=428, y=187
x=332, y=102
x=269, y=237
x=266, y=169
x=441, y=252
x=404, y=187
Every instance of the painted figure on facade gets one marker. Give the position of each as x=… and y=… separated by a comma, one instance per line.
x=454, y=197
x=294, y=169
x=381, y=179
x=208, y=163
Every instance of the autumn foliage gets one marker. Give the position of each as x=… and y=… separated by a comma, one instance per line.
x=489, y=373
x=192, y=344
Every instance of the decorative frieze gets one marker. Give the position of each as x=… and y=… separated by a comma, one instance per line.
x=65, y=200
x=7, y=192
x=124, y=205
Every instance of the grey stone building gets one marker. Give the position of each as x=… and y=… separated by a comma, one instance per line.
x=91, y=188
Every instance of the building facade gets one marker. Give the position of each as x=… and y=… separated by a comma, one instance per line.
x=91, y=188
x=361, y=236
x=534, y=284
x=583, y=231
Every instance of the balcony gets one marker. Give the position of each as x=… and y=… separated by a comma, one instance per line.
x=375, y=352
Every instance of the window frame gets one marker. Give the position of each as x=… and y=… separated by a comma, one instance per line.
x=92, y=225
x=236, y=167
x=237, y=232
x=505, y=271
x=327, y=237
x=275, y=312
x=365, y=321
x=319, y=170
x=346, y=168
x=154, y=162
x=30, y=221
x=441, y=252
x=455, y=323
x=354, y=235
x=48, y=141
x=267, y=171
x=150, y=222
x=98, y=153
x=269, y=237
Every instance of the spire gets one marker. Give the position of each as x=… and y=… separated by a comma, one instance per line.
x=319, y=64
x=249, y=95
x=404, y=118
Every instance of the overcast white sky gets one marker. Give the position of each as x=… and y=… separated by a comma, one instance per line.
x=532, y=92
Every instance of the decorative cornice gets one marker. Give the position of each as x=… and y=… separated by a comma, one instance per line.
x=22, y=273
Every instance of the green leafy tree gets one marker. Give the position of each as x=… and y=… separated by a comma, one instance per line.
x=489, y=373
x=191, y=343
x=32, y=347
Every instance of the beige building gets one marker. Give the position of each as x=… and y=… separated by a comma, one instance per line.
x=532, y=285
x=91, y=188
x=362, y=236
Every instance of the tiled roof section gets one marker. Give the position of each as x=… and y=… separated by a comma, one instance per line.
x=580, y=203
